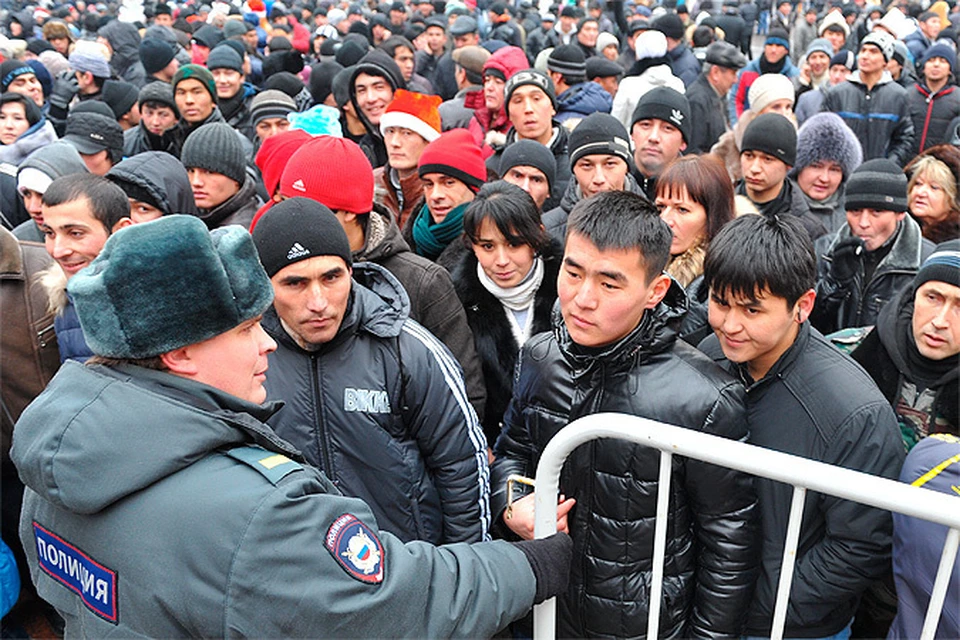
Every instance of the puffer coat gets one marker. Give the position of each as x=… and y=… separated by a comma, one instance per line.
x=713, y=542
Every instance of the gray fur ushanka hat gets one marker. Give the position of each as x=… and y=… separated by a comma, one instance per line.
x=166, y=284
x=825, y=136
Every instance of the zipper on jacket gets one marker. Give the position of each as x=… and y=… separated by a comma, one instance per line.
x=41, y=333
x=320, y=427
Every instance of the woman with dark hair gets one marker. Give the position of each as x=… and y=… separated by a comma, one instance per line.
x=506, y=279
x=695, y=198
x=23, y=129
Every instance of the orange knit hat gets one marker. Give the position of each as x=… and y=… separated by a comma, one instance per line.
x=415, y=111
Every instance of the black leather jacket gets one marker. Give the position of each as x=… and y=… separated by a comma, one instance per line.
x=713, y=544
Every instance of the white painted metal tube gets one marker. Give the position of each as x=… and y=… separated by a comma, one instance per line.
x=939, y=593
x=789, y=560
x=659, y=543
x=843, y=483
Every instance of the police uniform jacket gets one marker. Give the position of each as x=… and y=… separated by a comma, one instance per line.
x=819, y=404
x=382, y=410
x=713, y=543
x=161, y=507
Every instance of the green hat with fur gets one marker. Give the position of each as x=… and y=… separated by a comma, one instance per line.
x=166, y=284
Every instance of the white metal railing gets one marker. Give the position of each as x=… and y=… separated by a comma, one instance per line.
x=802, y=473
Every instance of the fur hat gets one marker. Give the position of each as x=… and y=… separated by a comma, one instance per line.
x=166, y=284
x=825, y=136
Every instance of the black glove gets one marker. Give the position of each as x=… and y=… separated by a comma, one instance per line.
x=64, y=90
x=847, y=259
x=550, y=559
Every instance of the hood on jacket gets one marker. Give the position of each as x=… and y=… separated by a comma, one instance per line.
x=124, y=39
x=583, y=99
x=375, y=63
x=62, y=450
x=508, y=61
x=55, y=160
x=382, y=237
x=162, y=176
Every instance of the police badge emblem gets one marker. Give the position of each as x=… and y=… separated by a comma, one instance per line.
x=356, y=549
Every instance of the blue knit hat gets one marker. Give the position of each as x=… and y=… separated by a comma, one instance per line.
x=940, y=50
x=166, y=284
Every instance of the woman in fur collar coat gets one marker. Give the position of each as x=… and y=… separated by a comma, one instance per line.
x=506, y=277
x=695, y=199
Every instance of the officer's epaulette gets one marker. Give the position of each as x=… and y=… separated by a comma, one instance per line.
x=272, y=466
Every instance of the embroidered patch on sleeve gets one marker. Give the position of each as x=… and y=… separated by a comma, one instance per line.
x=356, y=548
x=94, y=583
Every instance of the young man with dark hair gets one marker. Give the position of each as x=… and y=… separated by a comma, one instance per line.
x=804, y=398
x=620, y=321
x=80, y=212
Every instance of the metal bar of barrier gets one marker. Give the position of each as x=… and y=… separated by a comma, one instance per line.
x=939, y=593
x=811, y=475
x=789, y=560
x=659, y=543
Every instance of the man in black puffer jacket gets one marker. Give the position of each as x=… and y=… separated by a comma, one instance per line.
x=372, y=398
x=616, y=349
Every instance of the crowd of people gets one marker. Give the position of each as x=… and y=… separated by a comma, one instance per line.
x=294, y=295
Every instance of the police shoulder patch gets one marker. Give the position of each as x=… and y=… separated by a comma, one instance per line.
x=94, y=583
x=356, y=548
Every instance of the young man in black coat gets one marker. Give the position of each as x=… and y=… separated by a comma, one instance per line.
x=804, y=398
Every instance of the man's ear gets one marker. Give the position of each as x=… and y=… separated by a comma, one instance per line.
x=179, y=362
x=804, y=305
x=658, y=289
x=121, y=223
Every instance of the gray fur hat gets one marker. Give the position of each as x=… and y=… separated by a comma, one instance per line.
x=166, y=284
x=825, y=136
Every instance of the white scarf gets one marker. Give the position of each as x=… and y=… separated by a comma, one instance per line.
x=516, y=298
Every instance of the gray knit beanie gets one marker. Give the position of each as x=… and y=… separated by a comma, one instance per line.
x=877, y=184
x=215, y=147
x=271, y=104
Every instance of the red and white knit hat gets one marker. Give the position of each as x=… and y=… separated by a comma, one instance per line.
x=415, y=111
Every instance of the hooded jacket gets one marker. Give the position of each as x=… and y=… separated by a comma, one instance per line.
x=713, y=544
x=375, y=63
x=581, y=100
x=139, y=139
x=496, y=344
x=817, y=403
x=125, y=62
x=162, y=176
x=37, y=136
x=684, y=64
x=433, y=301
x=247, y=535
x=236, y=111
x=506, y=61
x=738, y=98
x=884, y=357
x=54, y=160
x=855, y=303
x=880, y=117
x=382, y=410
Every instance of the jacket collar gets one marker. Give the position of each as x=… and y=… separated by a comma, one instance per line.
x=781, y=367
x=904, y=255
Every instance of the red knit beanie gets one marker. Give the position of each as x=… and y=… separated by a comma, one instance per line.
x=274, y=154
x=455, y=154
x=333, y=171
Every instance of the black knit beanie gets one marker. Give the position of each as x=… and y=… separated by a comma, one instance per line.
x=216, y=147
x=877, y=184
x=321, y=80
x=528, y=153
x=286, y=82
x=155, y=54
x=120, y=96
x=772, y=134
x=298, y=229
x=599, y=133
x=10, y=70
x=669, y=105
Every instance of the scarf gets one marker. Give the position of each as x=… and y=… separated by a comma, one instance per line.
x=431, y=239
x=770, y=67
x=923, y=371
x=517, y=298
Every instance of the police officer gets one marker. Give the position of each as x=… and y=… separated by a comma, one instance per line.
x=160, y=504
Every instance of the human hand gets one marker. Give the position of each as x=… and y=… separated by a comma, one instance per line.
x=520, y=520
x=847, y=258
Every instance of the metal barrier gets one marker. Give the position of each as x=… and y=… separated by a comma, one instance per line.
x=802, y=473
